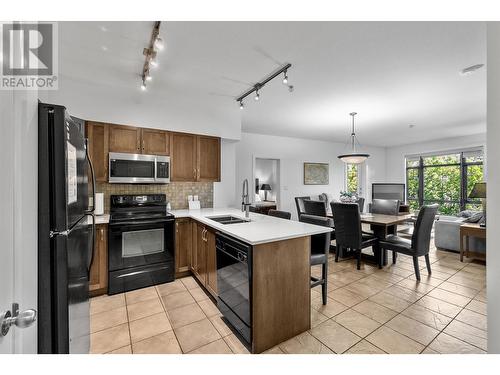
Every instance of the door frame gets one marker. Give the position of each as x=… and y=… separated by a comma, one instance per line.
x=252, y=183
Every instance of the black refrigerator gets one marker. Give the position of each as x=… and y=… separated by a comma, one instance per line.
x=66, y=232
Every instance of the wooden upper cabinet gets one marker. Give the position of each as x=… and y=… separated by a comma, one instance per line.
x=208, y=158
x=183, y=157
x=155, y=142
x=124, y=139
x=98, y=136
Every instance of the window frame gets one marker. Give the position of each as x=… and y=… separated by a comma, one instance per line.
x=463, y=164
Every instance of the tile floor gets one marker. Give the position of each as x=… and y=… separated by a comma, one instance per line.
x=368, y=311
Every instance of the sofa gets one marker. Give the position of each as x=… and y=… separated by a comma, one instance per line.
x=447, y=235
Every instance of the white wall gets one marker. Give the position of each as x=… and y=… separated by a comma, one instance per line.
x=293, y=152
x=224, y=191
x=395, y=156
x=493, y=150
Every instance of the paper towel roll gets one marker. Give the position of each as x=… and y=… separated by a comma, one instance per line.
x=99, y=203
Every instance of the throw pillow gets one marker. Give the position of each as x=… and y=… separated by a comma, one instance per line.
x=475, y=218
x=466, y=213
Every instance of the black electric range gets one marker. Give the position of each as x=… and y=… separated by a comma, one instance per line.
x=141, y=243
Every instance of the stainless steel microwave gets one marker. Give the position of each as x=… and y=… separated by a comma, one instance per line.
x=138, y=168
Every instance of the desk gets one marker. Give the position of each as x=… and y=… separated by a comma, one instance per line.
x=467, y=230
x=263, y=207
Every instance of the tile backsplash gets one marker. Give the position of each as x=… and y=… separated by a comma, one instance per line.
x=176, y=192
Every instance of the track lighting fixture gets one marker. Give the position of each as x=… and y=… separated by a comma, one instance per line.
x=256, y=88
x=160, y=46
x=285, y=78
x=155, y=43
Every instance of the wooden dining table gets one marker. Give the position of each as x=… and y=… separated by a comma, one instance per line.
x=383, y=225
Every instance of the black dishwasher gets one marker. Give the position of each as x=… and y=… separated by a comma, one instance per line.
x=234, y=280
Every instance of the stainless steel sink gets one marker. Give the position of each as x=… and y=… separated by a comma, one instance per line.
x=228, y=219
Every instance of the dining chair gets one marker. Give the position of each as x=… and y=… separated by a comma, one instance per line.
x=361, y=204
x=348, y=233
x=385, y=206
x=299, y=202
x=420, y=240
x=320, y=248
x=281, y=214
x=317, y=208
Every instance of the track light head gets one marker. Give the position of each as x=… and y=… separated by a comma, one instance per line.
x=242, y=105
x=285, y=78
x=257, y=95
x=290, y=88
x=159, y=45
x=143, y=86
x=154, y=63
x=148, y=77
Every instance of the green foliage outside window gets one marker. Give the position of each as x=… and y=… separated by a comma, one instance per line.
x=352, y=178
x=442, y=181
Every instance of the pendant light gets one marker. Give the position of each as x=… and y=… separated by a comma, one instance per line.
x=353, y=157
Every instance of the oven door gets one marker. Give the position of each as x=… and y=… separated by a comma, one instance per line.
x=132, y=168
x=139, y=243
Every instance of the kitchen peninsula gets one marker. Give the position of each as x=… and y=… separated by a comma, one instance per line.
x=276, y=280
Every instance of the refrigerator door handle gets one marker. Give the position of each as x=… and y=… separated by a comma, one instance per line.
x=90, y=257
x=92, y=209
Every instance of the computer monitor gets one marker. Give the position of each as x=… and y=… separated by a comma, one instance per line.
x=388, y=191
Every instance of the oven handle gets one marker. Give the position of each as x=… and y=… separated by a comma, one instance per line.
x=241, y=259
x=137, y=222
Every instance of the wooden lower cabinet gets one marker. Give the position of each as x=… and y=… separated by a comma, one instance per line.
x=203, y=261
x=98, y=278
x=183, y=246
x=211, y=263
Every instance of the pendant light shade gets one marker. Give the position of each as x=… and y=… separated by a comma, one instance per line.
x=353, y=157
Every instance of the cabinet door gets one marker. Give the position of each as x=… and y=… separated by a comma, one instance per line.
x=183, y=240
x=208, y=158
x=124, y=139
x=155, y=142
x=201, y=255
x=98, y=136
x=211, y=263
x=98, y=277
x=183, y=157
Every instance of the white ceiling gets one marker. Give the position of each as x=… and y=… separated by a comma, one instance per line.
x=392, y=73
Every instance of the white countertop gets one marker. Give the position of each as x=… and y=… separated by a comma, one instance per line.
x=261, y=228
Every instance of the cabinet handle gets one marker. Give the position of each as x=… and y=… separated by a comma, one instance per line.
x=143, y=144
x=198, y=173
x=194, y=173
x=176, y=227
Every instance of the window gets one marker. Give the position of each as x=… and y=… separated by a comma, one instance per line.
x=352, y=178
x=445, y=179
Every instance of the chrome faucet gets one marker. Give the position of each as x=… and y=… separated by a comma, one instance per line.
x=245, y=203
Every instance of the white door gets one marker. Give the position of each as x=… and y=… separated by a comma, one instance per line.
x=18, y=218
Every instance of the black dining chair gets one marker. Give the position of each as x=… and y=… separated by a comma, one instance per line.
x=348, y=233
x=299, y=202
x=361, y=204
x=316, y=208
x=385, y=206
x=281, y=214
x=320, y=248
x=420, y=240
